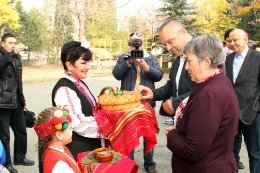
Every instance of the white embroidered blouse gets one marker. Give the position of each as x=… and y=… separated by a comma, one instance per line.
x=84, y=126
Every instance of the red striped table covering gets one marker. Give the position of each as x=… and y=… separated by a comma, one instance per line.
x=124, y=128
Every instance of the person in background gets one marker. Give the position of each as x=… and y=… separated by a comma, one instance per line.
x=56, y=156
x=203, y=138
x=242, y=68
x=257, y=47
x=134, y=71
x=238, y=142
x=227, y=42
x=12, y=102
x=71, y=90
x=251, y=44
x=104, y=89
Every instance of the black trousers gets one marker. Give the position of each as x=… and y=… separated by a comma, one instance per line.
x=237, y=144
x=15, y=119
x=81, y=144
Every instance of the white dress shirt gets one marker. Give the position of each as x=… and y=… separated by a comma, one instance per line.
x=237, y=64
x=178, y=75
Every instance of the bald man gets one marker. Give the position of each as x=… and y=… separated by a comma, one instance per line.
x=243, y=70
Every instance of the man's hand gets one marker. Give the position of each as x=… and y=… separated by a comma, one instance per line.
x=168, y=129
x=18, y=48
x=167, y=107
x=147, y=92
x=141, y=63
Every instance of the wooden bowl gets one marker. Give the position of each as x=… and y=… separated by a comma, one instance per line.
x=105, y=156
x=98, y=150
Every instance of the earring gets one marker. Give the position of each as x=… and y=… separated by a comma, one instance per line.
x=69, y=73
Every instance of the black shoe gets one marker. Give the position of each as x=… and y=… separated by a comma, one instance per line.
x=11, y=169
x=25, y=162
x=241, y=165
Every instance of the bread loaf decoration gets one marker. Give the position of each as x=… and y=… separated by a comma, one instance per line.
x=114, y=99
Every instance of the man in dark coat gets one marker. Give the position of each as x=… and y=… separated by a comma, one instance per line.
x=12, y=102
x=174, y=36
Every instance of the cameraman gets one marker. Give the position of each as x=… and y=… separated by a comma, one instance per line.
x=12, y=102
x=133, y=71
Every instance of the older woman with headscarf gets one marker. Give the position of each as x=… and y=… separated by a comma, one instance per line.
x=202, y=140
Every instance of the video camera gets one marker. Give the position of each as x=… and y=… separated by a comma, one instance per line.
x=27, y=48
x=135, y=53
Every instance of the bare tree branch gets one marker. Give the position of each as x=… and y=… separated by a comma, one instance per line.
x=124, y=4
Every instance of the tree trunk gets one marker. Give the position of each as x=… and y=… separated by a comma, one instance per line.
x=2, y=30
x=81, y=28
x=29, y=57
x=80, y=13
x=56, y=57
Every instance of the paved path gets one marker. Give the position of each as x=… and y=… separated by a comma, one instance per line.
x=38, y=97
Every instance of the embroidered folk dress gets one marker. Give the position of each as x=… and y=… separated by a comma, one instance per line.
x=84, y=126
x=59, y=160
x=75, y=93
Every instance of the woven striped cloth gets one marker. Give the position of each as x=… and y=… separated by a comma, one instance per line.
x=126, y=165
x=124, y=128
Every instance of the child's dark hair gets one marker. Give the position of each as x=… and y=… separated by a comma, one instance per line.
x=104, y=89
x=72, y=51
x=43, y=143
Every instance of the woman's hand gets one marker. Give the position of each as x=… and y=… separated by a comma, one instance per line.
x=168, y=129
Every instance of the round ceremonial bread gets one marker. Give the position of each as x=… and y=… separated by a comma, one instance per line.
x=119, y=100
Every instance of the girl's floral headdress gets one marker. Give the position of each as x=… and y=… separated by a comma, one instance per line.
x=60, y=121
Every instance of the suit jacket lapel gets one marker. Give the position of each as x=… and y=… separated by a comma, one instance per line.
x=229, y=66
x=182, y=72
x=175, y=68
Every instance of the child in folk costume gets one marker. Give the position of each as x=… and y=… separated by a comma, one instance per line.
x=54, y=129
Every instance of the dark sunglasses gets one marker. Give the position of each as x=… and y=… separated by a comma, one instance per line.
x=138, y=34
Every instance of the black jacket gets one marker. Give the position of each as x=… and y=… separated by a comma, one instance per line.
x=11, y=90
x=169, y=89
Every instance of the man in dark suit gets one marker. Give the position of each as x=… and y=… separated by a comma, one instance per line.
x=174, y=36
x=243, y=69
